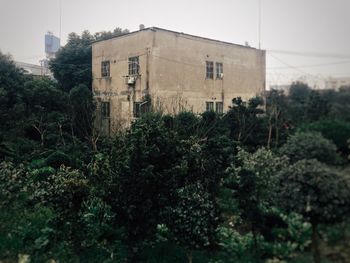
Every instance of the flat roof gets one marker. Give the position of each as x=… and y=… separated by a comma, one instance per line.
x=175, y=32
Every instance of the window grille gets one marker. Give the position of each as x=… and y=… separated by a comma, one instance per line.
x=105, y=68
x=210, y=70
x=134, y=66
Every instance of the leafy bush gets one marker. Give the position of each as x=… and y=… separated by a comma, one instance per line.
x=337, y=131
x=309, y=145
x=58, y=158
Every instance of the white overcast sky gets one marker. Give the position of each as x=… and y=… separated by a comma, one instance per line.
x=305, y=27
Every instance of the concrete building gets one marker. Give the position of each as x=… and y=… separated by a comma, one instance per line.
x=172, y=71
x=33, y=69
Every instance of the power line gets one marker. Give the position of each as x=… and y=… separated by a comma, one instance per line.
x=295, y=68
x=310, y=54
x=314, y=65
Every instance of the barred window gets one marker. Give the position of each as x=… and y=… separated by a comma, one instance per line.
x=140, y=108
x=219, y=70
x=134, y=66
x=209, y=106
x=210, y=70
x=137, y=109
x=219, y=107
x=105, y=109
x=105, y=68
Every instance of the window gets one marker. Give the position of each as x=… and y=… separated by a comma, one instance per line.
x=140, y=108
x=219, y=70
x=134, y=66
x=105, y=69
x=210, y=70
x=105, y=109
x=209, y=106
x=219, y=107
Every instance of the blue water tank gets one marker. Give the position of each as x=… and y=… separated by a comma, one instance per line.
x=52, y=43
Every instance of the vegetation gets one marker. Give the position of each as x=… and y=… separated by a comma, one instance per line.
x=260, y=183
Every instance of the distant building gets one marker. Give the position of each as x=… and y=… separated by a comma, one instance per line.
x=172, y=71
x=33, y=69
x=52, y=45
x=336, y=83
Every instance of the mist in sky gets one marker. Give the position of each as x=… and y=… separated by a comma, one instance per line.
x=315, y=33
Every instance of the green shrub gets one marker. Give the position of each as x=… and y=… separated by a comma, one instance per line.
x=58, y=158
x=309, y=145
x=337, y=131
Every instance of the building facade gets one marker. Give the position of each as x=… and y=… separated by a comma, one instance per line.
x=171, y=71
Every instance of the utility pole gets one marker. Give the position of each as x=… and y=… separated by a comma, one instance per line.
x=259, y=24
x=60, y=20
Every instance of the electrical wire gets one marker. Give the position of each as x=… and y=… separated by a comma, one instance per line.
x=314, y=65
x=310, y=54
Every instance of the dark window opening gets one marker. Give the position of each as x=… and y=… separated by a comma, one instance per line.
x=140, y=108
x=219, y=107
x=105, y=109
x=209, y=106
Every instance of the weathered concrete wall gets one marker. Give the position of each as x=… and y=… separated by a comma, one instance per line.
x=178, y=71
x=114, y=88
x=173, y=72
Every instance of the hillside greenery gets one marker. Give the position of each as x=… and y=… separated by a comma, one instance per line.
x=268, y=181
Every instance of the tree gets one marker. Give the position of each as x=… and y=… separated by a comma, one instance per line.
x=190, y=220
x=336, y=130
x=317, y=106
x=103, y=35
x=46, y=110
x=320, y=194
x=252, y=180
x=276, y=112
x=309, y=145
x=339, y=103
x=11, y=90
x=298, y=98
x=72, y=65
x=244, y=122
x=144, y=165
x=83, y=115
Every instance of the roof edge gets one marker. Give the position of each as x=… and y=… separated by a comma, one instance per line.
x=180, y=33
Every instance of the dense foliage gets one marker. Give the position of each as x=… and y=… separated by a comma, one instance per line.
x=260, y=182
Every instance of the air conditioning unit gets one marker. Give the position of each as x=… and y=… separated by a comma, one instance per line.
x=131, y=80
x=221, y=75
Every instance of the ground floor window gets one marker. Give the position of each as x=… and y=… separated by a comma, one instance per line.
x=219, y=107
x=105, y=109
x=140, y=108
x=209, y=106
x=214, y=105
x=137, y=109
